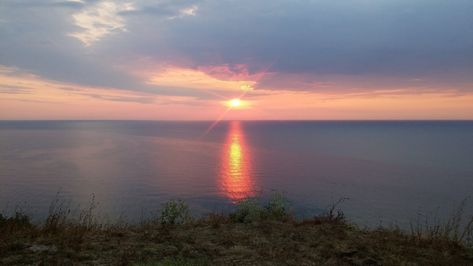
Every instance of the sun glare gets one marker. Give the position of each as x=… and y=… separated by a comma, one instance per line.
x=235, y=103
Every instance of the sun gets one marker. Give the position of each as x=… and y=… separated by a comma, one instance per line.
x=235, y=103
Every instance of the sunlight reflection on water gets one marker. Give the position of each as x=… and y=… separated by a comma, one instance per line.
x=236, y=182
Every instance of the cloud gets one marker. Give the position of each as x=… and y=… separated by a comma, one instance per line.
x=13, y=89
x=98, y=20
x=359, y=38
x=353, y=46
x=26, y=86
x=48, y=99
x=187, y=11
x=168, y=9
x=69, y=4
x=207, y=79
x=18, y=85
x=120, y=98
x=75, y=4
x=36, y=40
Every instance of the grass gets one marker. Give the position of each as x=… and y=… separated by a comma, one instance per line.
x=254, y=234
x=456, y=229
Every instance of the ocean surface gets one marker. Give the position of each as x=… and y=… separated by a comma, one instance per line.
x=389, y=172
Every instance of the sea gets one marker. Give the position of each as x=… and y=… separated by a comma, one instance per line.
x=376, y=172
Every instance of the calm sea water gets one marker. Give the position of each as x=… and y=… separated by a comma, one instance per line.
x=390, y=171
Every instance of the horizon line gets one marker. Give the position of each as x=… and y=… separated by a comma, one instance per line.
x=243, y=120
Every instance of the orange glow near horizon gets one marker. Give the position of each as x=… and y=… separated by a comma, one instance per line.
x=236, y=182
x=27, y=96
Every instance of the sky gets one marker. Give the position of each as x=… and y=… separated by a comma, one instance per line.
x=185, y=60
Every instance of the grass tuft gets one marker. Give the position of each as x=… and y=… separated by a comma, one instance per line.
x=457, y=229
x=19, y=221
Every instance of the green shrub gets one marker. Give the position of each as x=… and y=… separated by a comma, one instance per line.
x=277, y=207
x=248, y=211
x=174, y=212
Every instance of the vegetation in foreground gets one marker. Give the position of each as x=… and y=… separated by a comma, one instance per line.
x=254, y=234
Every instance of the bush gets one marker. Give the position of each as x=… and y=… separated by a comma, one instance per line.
x=174, y=212
x=248, y=211
x=16, y=222
x=277, y=207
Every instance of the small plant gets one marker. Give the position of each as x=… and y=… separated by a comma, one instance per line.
x=13, y=223
x=277, y=207
x=58, y=216
x=455, y=229
x=334, y=213
x=86, y=217
x=248, y=211
x=174, y=212
x=19, y=218
x=216, y=219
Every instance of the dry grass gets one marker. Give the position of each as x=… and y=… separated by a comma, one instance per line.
x=253, y=235
x=458, y=228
